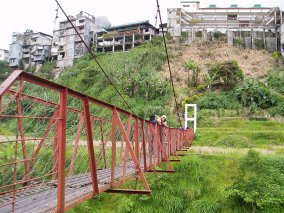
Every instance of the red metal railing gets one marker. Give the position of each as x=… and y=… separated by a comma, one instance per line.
x=59, y=147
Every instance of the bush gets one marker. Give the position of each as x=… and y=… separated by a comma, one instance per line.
x=259, y=183
x=217, y=35
x=276, y=55
x=190, y=100
x=227, y=74
x=46, y=70
x=5, y=70
x=259, y=43
x=275, y=80
x=278, y=110
x=255, y=94
x=217, y=101
x=239, y=42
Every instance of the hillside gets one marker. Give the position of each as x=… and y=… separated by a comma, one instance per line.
x=254, y=63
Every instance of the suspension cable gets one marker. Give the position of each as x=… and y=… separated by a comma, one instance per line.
x=94, y=57
x=166, y=49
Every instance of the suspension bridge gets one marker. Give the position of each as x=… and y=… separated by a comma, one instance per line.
x=59, y=147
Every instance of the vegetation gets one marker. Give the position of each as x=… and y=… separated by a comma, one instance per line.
x=201, y=183
x=237, y=165
x=239, y=42
x=5, y=70
x=260, y=182
x=46, y=69
x=276, y=55
x=194, y=68
x=135, y=74
x=227, y=74
x=259, y=43
x=255, y=94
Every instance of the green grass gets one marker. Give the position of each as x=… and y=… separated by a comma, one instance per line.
x=240, y=133
x=198, y=185
x=195, y=186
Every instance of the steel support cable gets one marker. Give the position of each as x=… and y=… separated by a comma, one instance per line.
x=94, y=57
x=168, y=60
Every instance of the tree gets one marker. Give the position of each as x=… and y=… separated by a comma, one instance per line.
x=195, y=69
x=21, y=65
x=259, y=184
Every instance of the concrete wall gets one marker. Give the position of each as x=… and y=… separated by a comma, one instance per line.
x=282, y=38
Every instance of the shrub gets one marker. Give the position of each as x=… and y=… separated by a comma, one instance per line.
x=217, y=101
x=5, y=70
x=239, y=42
x=227, y=74
x=217, y=35
x=275, y=80
x=259, y=43
x=259, y=183
x=276, y=55
x=254, y=93
x=278, y=110
x=46, y=70
x=190, y=100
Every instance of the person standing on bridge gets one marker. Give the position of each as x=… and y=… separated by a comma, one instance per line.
x=164, y=121
x=153, y=119
x=154, y=122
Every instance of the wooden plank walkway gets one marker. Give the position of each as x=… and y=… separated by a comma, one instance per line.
x=43, y=196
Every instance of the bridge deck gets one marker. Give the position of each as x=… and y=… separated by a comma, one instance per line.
x=43, y=197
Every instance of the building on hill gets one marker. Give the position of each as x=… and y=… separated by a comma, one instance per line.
x=280, y=33
x=67, y=45
x=124, y=37
x=4, y=55
x=251, y=27
x=29, y=48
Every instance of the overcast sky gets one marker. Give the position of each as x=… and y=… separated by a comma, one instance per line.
x=39, y=15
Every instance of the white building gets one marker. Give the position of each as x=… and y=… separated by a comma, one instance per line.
x=244, y=24
x=4, y=55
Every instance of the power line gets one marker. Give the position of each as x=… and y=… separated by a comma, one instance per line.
x=166, y=49
x=94, y=57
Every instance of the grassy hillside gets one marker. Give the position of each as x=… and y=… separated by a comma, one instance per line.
x=135, y=73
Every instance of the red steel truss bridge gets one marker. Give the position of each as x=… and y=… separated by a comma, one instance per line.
x=59, y=147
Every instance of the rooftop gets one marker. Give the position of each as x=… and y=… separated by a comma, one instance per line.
x=129, y=25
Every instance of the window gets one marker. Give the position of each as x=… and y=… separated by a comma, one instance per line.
x=232, y=17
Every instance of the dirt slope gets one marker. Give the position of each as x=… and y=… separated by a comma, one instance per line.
x=254, y=63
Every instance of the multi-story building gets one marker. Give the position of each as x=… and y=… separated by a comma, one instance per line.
x=67, y=45
x=124, y=37
x=246, y=26
x=282, y=37
x=4, y=55
x=31, y=47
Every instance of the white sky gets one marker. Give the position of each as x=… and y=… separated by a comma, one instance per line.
x=38, y=15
